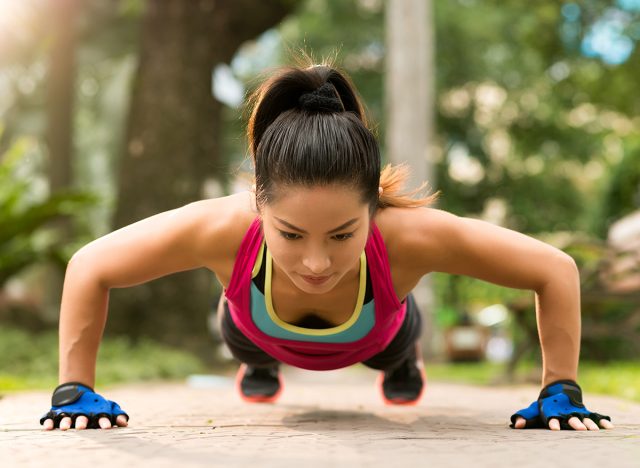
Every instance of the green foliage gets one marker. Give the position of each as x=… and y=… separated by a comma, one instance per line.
x=458, y=295
x=620, y=378
x=31, y=361
x=622, y=193
x=477, y=373
x=530, y=109
x=24, y=215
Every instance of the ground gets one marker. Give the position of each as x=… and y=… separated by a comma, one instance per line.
x=322, y=419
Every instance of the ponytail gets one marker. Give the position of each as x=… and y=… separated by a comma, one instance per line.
x=392, y=182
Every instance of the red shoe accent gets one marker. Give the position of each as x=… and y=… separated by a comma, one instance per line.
x=256, y=398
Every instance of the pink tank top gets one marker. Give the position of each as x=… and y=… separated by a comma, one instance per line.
x=389, y=311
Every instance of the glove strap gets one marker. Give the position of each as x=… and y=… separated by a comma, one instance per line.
x=568, y=387
x=68, y=393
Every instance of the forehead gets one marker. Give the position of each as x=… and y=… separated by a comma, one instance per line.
x=319, y=203
x=290, y=196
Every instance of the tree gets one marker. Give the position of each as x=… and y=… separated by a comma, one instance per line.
x=173, y=136
x=409, y=95
x=60, y=108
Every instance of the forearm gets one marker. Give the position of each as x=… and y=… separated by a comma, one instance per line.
x=559, y=326
x=83, y=314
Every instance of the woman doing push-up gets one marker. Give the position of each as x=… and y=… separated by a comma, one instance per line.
x=317, y=263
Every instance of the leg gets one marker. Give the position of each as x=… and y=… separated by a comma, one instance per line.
x=258, y=379
x=402, y=346
x=402, y=380
x=243, y=349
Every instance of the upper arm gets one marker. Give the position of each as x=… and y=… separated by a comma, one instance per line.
x=441, y=241
x=186, y=238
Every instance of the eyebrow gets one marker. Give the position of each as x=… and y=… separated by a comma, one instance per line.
x=339, y=228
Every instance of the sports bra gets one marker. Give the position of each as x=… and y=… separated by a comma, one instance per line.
x=311, y=327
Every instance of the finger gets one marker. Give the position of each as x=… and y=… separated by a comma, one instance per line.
x=48, y=424
x=122, y=421
x=590, y=424
x=65, y=423
x=554, y=424
x=576, y=424
x=606, y=424
x=105, y=423
x=520, y=423
x=81, y=422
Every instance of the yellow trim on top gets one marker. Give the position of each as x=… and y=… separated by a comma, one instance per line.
x=258, y=264
x=313, y=331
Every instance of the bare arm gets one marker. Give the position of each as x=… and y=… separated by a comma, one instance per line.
x=182, y=239
x=439, y=241
x=448, y=243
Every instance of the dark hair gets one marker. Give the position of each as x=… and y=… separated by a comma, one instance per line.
x=308, y=127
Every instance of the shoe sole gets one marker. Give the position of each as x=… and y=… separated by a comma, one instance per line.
x=256, y=398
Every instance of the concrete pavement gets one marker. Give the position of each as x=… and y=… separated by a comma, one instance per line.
x=322, y=419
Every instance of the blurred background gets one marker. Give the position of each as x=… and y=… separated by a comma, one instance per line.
x=524, y=114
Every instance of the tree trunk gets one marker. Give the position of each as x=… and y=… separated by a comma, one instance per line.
x=172, y=144
x=409, y=91
x=60, y=104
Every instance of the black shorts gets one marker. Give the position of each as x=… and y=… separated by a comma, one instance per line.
x=397, y=351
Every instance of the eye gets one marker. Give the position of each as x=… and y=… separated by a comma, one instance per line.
x=289, y=235
x=343, y=237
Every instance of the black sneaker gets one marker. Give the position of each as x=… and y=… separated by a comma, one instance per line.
x=259, y=384
x=403, y=385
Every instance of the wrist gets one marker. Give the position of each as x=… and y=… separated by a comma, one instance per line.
x=550, y=377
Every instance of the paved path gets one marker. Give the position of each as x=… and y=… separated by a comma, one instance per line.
x=323, y=419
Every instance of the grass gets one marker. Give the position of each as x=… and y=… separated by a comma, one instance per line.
x=619, y=378
x=30, y=362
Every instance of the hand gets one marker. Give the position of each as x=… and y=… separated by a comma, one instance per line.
x=575, y=423
x=560, y=406
x=75, y=404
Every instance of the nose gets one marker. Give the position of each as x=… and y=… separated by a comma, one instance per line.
x=317, y=262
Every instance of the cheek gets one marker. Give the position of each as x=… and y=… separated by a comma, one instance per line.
x=346, y=256
x=281, y=251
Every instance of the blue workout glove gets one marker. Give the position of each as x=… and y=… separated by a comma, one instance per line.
x=74, y=399
x=561, y=400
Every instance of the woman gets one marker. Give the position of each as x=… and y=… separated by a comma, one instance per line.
x=317, y=263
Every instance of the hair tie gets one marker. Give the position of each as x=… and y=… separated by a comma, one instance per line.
x=323, y=99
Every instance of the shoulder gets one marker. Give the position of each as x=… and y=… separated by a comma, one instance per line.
x=416, y=237
x=205, y=233
x=423, y=240
x=219, y=226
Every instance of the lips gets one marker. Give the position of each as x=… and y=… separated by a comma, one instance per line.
x=315, y=279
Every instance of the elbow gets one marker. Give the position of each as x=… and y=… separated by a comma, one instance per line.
x=567, y=263
x=561, y=269
x=84, y=264
x=80, y=259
